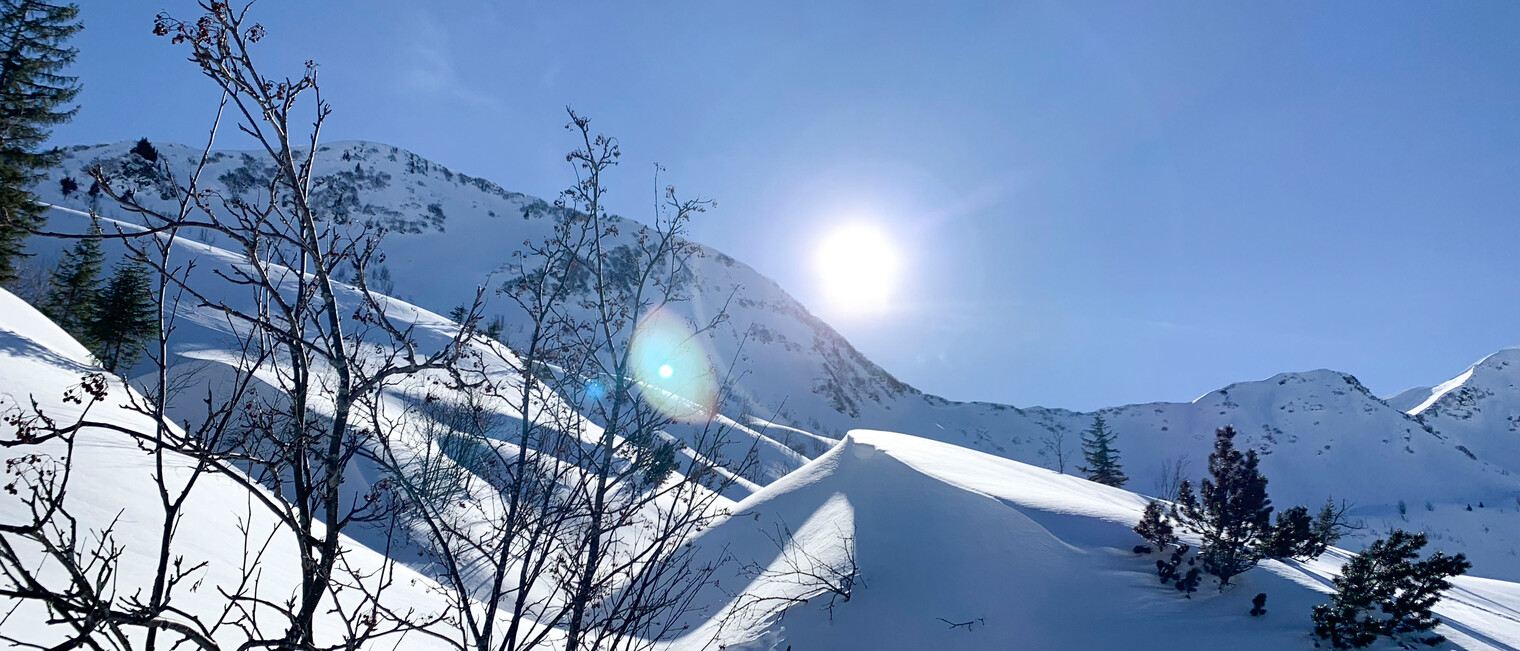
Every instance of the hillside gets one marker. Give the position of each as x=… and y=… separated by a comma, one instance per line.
x=113, y=484
x=1480, y=408
x=941, y=535
x=944, y=535
x=802, y=385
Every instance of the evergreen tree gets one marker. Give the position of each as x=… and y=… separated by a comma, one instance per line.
x=33, y=34
x=125, y=318
x=1231, y=511
x=1101, y=456
x=145, y=150
x=1344, y=622
x=1403, y=590
x=73, y=286
x=1328, y=525
x=1293, y=536
x=1155, y=528
x=1416, y=588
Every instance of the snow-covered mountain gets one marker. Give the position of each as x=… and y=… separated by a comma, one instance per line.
x=799, y=374
x=953, y=548
x=1409, y=398
x=1480, y=408
x=935, y=524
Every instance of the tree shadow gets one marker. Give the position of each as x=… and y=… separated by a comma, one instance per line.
x=16, y=344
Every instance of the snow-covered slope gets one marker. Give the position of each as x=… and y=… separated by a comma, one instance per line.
x=436, y=216
x=1409, y=398
x=113, y=481
x=1029, y=558
x=1320, y=433
x=1481, y=408
x=797, y=371
x=1019, y=556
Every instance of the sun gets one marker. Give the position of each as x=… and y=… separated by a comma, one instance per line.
x=857, y=267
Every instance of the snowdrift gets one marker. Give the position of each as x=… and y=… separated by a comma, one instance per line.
x=114, y=481
x=962, y=550
x=944, y=535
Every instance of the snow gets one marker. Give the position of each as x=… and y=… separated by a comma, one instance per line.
x=809, y=385
x=1481, y=408
x=1408, y=399
x=1033, y=558
x=967, y=522
x=113, y=480
x=1441, y=390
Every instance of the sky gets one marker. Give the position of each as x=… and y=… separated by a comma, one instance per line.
x=1092, y=203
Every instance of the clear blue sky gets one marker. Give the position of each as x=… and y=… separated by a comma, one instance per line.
x=1106, y=202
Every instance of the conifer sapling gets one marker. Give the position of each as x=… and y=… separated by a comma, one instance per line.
x=73, y=285
x=1102, y=457
x=1154, y=526
x=125, y=317
x=1231, y=510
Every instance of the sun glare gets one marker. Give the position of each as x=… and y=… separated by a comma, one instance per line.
x=857, y=267
x=674, y=371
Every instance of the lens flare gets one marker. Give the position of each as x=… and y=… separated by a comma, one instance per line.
x=672, y=367
x=595, y=390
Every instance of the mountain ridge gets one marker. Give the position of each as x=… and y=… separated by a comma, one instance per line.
x=957, y=499
x=798, y=372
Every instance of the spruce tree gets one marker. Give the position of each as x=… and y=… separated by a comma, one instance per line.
x=125, y=318
x=33, y=35
x=1101, y=456
x=1328, y=525
x=1231, y=511
x=73, y=287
